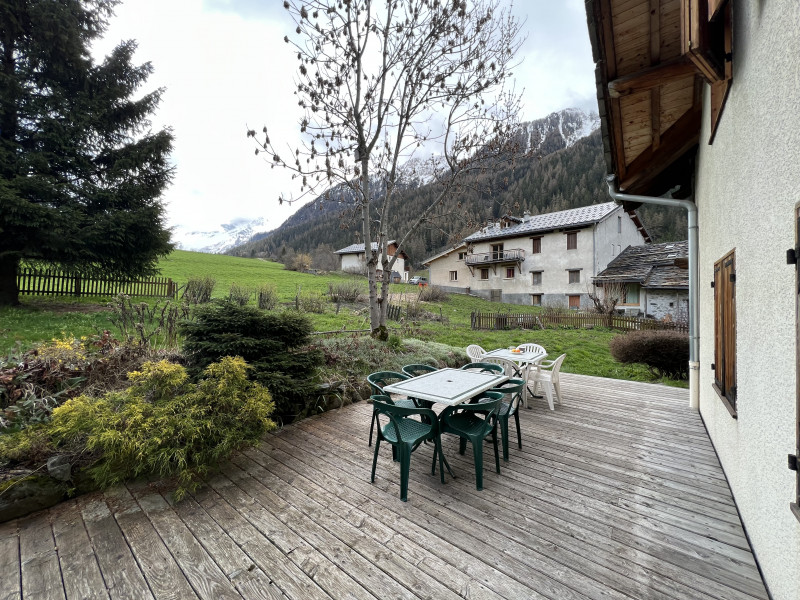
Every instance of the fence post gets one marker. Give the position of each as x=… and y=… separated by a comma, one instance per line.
x=77, y=292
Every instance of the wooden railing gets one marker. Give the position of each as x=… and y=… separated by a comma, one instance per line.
x=52, y=282
x=495, y=321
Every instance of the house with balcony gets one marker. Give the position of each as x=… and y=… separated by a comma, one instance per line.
x=352, y=259
x=699, y=109
x=651, y=280
x=547, y=259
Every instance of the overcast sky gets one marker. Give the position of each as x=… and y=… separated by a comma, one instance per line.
x=225, y=68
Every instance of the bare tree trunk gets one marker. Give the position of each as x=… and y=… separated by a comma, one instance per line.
x=9, y=294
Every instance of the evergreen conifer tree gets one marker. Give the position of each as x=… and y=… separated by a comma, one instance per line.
x=81, y=172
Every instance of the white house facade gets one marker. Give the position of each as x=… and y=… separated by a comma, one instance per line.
x=547, y=259
x=352, y=259
x=730, y=145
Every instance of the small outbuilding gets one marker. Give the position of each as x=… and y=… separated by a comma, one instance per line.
x=652, y=280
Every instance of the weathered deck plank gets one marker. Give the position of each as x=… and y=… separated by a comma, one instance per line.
x=616, y=494
x=10, y=582
x=79, y=568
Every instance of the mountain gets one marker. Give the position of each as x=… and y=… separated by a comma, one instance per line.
x=221, y=239
x=563, y=168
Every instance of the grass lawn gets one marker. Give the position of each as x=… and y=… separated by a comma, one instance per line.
x=41, y=319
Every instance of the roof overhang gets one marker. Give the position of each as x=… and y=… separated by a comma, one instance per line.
x=649, y=94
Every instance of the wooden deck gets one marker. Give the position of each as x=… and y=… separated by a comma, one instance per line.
x=616, y=494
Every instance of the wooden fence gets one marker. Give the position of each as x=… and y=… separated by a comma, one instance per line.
x=52, y=282
x=495, y=321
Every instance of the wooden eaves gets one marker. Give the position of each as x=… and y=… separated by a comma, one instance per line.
x=649, y=93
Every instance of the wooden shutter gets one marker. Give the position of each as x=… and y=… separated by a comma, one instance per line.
x=537, y=245
x=725, y=329
x=720, y=89
x=572, y=240
x=698, y=40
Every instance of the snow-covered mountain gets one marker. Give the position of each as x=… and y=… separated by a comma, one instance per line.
x=220, y=239
x=558, y=130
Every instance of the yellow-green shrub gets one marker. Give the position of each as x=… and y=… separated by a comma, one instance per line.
x=165, y=425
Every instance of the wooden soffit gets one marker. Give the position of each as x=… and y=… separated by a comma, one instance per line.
x=649, y=93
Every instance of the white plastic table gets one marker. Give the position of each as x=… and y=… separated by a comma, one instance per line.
x=446, y=386
x=525, y=360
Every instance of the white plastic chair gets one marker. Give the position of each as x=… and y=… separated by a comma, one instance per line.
x=532, y=348
x=475, y=352
x=547, y=374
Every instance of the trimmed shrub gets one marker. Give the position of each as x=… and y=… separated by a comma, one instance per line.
x=310, y=302
x=348, y=291
x=267, y=297
x=165, y=425
x=199, y=289
x=666, y=353
x=239, y=294
x=433, y=293
x=269, y=342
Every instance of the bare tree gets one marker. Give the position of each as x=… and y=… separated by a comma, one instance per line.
x=607, y=296
x=381, y=80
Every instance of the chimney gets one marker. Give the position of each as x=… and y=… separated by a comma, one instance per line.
x=526, y=216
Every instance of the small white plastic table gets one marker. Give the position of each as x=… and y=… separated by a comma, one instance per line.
x=525, y=360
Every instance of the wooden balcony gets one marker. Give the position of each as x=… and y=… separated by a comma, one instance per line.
x=616, y=494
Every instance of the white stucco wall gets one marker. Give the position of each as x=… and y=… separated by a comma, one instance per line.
x=352, y=262
x=609, y=241
x=440, y=268
x=747, y=189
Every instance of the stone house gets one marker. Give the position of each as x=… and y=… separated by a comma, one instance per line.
x=652, y=280
x=352, y=260
x=547, y=259
x=699, y=109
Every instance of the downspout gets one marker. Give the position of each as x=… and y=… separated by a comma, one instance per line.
x=694, y=288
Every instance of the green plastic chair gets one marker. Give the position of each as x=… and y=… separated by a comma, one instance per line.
x=405, y=434
x=416, y=370
x=474, y=422
x=377, y=381
x=511, y=391
x=483, y=367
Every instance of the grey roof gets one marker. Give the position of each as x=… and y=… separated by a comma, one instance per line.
x=651, y=265
x=359, y=248
x=575, y=217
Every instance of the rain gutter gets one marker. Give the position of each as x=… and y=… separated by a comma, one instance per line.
x=694, y=288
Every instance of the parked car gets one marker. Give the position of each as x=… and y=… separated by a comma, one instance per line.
x=416, y=280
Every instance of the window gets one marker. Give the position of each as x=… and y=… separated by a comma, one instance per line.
x=630, y=295
x=484, y=274
x=510, y=272
x=575, y=302
x=619, y=224
x=725, y=330
x=572, y=240
x=453, y=275
x=574, y=276
x=706, y=39
x=537, y=246
x=536, y=299
x=462, y=255
x=497, y=251
x=536, y=278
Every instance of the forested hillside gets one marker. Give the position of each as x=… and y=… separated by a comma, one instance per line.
x=567, y=178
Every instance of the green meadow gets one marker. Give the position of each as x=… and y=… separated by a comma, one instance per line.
x=41, y=319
